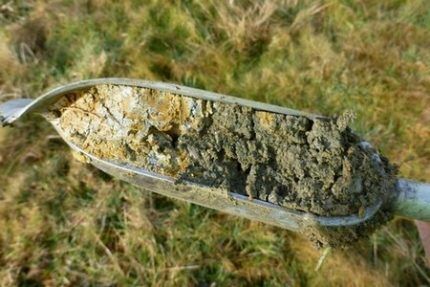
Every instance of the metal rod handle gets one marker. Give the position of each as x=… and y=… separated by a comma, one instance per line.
x=413, y=200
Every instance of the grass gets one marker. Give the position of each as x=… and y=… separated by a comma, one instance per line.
x=65, y=223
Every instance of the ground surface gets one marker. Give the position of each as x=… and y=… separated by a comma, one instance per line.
x=65, y=223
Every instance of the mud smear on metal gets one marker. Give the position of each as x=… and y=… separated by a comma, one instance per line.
x=313, y=165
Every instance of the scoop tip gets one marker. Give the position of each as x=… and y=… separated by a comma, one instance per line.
x=11, y=110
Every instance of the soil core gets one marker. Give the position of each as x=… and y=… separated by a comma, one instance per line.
x=314, y=165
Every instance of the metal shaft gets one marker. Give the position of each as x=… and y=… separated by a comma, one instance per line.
x=413, y=200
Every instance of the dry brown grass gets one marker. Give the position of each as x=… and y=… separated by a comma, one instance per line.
x=64, y=223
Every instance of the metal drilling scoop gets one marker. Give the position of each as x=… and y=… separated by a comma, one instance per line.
x=412, y=199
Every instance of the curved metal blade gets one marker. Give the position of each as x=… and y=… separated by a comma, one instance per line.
x=222, y=200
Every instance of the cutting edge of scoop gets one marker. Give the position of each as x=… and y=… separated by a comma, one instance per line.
x=53, y=95
x=228, y=202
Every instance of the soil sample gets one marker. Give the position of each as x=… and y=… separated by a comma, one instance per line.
x=314, y=165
